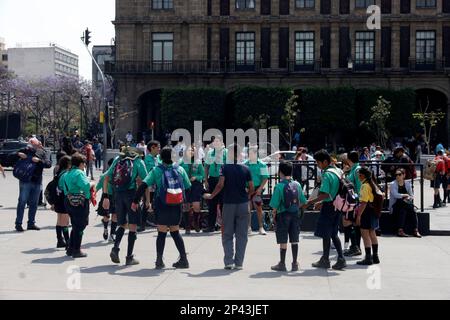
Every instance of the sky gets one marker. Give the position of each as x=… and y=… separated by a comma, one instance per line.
x=58, y=21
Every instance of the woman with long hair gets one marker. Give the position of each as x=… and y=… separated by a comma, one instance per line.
x=366, y=217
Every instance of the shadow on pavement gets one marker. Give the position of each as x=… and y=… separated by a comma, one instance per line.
x=40, y=251
x=114, y=269
x=57, y=260
x=9, y=232
x=302, y=273
x=96, y=244
x=211, y=273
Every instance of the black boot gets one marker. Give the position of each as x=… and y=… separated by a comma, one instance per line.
x=160, y=263
x=436, y=202
x=368, y=261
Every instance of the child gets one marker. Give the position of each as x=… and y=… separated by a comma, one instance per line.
x=286, y=202
x=106, y=213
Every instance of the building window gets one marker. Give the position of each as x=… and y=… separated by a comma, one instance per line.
x=162, y=4
x=245, y=50
x=245, y=4
x=364, y=3
x=162, y=53
x=365, y=50
x=4, y=57
x=426, y=3
x=425, y=48
x=305, y=4
x=304, y=49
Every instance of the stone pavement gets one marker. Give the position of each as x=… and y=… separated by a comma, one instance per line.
x=31, y=268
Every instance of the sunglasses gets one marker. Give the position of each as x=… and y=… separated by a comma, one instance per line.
x=398, y=174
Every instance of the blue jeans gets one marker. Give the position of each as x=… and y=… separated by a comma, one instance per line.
x=29, y=194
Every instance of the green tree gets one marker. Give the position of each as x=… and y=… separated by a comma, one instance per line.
x=378, y=121
x=289, y=118
x=428, y=120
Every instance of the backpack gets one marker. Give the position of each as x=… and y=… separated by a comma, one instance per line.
x=24, y=169
x=123, y=173
x=378, y=202
x=290, y=193
x=429, y=172
x=171, y=192
x=346, y=199
x=53, y=194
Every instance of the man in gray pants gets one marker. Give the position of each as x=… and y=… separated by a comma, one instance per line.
x=234, y=179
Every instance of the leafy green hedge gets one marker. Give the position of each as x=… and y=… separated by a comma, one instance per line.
x=251, y=102
x=180, y=107
x=334, y=114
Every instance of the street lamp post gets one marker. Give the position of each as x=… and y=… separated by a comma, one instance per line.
x=86, y=41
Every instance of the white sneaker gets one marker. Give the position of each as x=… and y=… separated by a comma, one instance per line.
x=250, y=231
x=262, y=232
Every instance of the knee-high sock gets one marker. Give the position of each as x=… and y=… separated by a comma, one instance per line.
x=131, y=240
x=119, y=235
x=161, y=243
x=65, y=232
x=59, y=233
x=326, y=247
x=338, y=246
x=176, y=236
x=113, y=227
x=294, y=248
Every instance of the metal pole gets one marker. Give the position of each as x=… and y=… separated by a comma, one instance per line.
x=54, y=121
x=7, y=115
x=421, y=189
x=81, y=116
x=105, y=128
x=37, y=120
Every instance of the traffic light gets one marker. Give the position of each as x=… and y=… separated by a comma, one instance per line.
x=87, y=37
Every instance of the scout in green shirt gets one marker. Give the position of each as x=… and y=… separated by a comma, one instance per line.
x=352, y=176
x=167, y=217
x=123, y=196
x=196, y=174
x=329, y=219
x=286, y=215
x=152, y=159
x=112, y=208
x=260, y=176
x=76, y=182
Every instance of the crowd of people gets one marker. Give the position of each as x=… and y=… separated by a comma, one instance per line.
x=170, y=185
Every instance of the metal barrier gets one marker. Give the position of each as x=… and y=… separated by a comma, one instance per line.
x=307, y=173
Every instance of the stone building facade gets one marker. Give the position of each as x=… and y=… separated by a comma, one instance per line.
x=297, y=43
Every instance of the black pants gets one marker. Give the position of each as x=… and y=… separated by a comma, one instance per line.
x=405, y=211
x=79, y=217
x=212, y=205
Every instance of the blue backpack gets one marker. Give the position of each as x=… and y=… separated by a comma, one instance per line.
x=171, y=192
x=24, y=169
x=291, y=201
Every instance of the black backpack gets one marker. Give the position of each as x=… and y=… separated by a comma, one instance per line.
x=52, y=194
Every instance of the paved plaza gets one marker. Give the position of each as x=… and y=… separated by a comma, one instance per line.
x=31, y=267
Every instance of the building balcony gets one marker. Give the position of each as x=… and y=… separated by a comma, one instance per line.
x=183, y=67
x=314, y=67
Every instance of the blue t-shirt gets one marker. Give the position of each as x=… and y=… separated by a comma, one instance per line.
x=236, y=178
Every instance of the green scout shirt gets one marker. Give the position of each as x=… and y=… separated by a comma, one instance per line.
x=214, y=168
x=155, y=178
x=151, y=162
x=353, y=177
x=277, y=201
x=76, y=182
x=61, y=184
x=100, y=184
x=138, y=170
x=330, y=183
x=194, y=170
x=258, y=170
